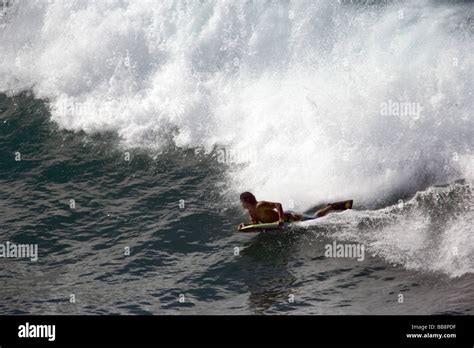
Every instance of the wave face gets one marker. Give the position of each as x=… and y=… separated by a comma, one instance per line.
x=321, y=100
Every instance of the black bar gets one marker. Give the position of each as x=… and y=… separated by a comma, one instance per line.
x=193, y=330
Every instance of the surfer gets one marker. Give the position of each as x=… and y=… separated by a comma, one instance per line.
x=268, y=212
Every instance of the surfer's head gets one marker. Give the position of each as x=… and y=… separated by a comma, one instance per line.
x=247, y=199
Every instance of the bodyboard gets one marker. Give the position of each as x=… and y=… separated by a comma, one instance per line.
x=261, y=227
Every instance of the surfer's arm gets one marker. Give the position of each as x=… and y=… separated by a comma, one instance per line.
x=253, y=220
x=276, y=206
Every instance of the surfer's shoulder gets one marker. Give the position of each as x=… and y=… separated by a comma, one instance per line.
x=261, y=204
x=267, y=204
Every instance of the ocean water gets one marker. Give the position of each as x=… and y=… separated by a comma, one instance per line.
x=129, y=128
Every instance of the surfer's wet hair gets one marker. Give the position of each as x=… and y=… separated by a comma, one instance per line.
x=248, y=198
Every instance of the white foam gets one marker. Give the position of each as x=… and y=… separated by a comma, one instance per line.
x=430, y=233
x=300, y=85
